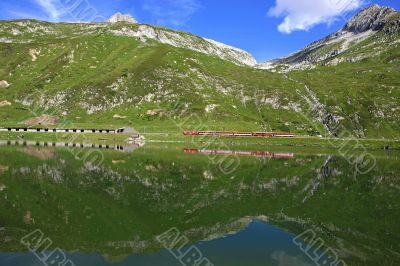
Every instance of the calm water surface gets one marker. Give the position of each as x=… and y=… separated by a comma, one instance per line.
x=178, y=205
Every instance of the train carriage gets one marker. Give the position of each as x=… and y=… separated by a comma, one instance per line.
x=240, y=134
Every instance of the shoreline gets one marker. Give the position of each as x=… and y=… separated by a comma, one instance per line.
x=300, y=141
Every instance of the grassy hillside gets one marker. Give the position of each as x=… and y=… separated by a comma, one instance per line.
x=365, y=94
x=87, y=75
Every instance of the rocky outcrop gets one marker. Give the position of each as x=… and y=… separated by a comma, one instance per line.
x=393, y=25
x=231, y=53
x=4, y=84
x=118, y=17
x=119, y=117
x=372, y=18
x=155, y=112
x=318, y=111
x=4, y=103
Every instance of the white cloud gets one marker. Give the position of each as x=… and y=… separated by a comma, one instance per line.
x=51, y=8
x=171, y=12
x=305, y=14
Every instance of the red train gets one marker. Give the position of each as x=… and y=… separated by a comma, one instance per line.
x=242, y=153
x=240, y=134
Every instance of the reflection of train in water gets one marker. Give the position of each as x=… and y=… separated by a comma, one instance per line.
x=240, y=134
x=242, y=153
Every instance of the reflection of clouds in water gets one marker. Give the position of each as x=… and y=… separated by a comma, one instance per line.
x=284, y=259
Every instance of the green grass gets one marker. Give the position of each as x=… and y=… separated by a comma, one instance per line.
x=86, y=78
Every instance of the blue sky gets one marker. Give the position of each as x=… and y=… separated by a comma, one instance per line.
x=265, y=28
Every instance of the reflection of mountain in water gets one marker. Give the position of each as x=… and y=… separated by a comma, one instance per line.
x=119, y=207
x=118, y=147
x=324, y=173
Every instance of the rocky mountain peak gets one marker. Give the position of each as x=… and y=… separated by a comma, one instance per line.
x=328, y=50
x=118, y=17
x=373, y=17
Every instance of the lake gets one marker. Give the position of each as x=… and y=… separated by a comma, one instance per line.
x=170, y=204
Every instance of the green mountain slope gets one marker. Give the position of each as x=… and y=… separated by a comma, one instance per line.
x=97, y=75
x=159, y=80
